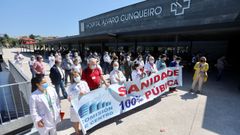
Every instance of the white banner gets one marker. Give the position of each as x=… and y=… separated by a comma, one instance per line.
x=102, y=104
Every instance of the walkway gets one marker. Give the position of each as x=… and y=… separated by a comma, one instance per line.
x=216, y=112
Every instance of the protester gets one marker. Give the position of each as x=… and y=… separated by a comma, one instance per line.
x=39, y=67
x=76, y=56
x=57, y=78
x=114, y=59
x=93, y=76
x=67, y=66
x=98, y=65
x=77, y=88
x=175, y=63
x=220, y=67
x=44, y=107
x=150, y=66
x=31, y=63
x=127, y=68
x=116, y=76
x=76, y=67
x=89, y=57
x=140, y=61
x=51, y=60
x=137, y=74
x=57, y=56
x=19, y=59
x=200, y=75
x=107, y=63
x=161, y=64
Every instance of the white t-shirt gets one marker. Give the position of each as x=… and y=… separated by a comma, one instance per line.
x=75, y=88
x=136, y=75
x=76, y=68
x=51, y=60
x=19, y=58
x=150, y=68
x=117, y=74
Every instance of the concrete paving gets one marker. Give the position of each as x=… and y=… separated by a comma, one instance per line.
x=217, y=112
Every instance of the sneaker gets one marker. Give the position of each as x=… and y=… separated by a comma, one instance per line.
x=198, y=92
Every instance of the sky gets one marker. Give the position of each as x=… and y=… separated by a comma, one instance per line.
x=51, y=17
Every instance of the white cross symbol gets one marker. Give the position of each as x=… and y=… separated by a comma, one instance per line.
x=178, y=9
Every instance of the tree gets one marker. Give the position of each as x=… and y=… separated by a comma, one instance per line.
x=32, y=36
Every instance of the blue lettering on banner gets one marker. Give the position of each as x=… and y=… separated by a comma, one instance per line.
x=130, y=102
x=92, y=113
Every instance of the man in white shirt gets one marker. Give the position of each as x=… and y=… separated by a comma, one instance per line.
x=51, y=60
x=18, y=59
x=116, y=76
x=107, y=61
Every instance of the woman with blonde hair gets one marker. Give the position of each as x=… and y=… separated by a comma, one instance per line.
x=200, y=75
x=77, y=88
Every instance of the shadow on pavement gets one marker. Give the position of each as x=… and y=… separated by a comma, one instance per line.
x=222, y=106
x=188, y=96
x=65, y=124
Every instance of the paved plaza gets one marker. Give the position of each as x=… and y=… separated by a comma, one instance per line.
x=217, y=112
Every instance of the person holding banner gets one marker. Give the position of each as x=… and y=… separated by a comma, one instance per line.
x=150, y=66
x=93, y=75
x=44, y=106
x=137, y=74
x=161, y=64
x=116, y=76
x=175, y=63
x=77, y=88
x=200, y=75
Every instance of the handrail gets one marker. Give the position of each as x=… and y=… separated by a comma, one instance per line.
x=11, y=84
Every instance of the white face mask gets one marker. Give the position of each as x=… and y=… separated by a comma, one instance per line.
x=115, y=68
x=77, y=79
x=178, y=62
x=93, y=66
x=128, y=59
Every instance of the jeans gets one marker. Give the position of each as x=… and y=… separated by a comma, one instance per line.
x=106, y=67
x=32, y=71
x=61, y=85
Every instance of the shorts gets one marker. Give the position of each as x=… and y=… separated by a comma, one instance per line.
x=73, y=115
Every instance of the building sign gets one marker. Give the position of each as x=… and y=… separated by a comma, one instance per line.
x=158, y=14
x=139, y=14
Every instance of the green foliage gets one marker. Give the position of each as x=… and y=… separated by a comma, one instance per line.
x=8, y=42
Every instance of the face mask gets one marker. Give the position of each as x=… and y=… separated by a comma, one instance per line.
x=93, y=66
x=44, y=86
x=115, y=68
x=178, y=62
x=77, y=79
x=151, y=61
x=128, y=59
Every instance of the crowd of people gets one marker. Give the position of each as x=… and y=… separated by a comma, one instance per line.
x=45, y=100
